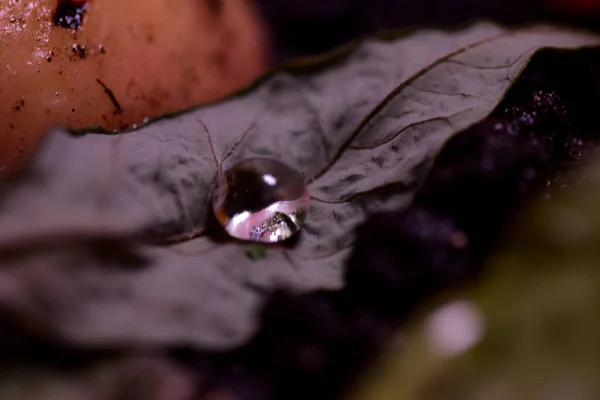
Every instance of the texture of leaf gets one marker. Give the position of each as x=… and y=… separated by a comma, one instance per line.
x=362, y=127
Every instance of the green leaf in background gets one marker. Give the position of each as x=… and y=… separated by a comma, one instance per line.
x=537, y=308
x=132, y=377
x=362, y=129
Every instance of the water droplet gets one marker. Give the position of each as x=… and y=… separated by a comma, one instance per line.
x=261, y=200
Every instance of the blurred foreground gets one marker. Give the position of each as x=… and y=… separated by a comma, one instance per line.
x=528, y=330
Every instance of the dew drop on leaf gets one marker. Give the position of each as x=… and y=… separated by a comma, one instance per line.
x=261, y=200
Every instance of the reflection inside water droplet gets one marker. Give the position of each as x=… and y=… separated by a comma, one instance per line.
x=261, y=200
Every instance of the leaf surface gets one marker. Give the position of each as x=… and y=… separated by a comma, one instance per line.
x=363, y=129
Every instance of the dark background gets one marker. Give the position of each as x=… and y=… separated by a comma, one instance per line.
x=304, y=27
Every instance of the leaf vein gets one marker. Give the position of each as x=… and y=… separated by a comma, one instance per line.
x=400, y=88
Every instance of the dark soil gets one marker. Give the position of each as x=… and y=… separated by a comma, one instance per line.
x=70, y=13
x=304, y=27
